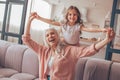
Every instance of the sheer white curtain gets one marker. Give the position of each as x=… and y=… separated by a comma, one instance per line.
x=43, y=8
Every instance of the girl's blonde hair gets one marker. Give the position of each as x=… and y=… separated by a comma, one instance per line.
x=79, y=20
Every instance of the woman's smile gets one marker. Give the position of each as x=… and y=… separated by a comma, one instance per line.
x=51, y=38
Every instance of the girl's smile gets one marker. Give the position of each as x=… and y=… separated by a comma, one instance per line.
x=72, y=17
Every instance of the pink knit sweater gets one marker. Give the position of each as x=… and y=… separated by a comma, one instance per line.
x=63, y=67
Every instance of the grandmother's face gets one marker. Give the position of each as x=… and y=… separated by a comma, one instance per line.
x=52, y=38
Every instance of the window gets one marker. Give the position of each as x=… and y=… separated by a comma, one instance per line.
x=12, y=22
x=13, y=17
x=44, y=10
x=2, y=10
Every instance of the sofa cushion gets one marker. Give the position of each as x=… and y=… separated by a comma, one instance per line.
x=14, y=56
x=79, y=70
x=7, y=72
x=30, y=63
x=7, y=79
x=96, y=69
x=23, y=76
x=115, y=72
x=3, y=48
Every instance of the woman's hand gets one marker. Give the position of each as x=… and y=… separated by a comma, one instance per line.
x=110, y=34
x=31, y=17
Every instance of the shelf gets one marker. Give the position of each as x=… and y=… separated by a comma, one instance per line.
x=88, y=41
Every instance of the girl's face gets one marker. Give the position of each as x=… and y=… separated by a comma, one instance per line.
x=52, y=38
x=72, y=16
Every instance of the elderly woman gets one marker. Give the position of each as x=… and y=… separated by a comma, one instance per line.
x=58, y=60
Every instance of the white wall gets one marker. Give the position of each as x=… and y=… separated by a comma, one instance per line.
x=96, y=12
x=97, y=9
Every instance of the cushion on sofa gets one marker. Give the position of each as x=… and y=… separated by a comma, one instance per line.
x=7, y=72
x=23, y=76
x=79, y=72
x=95, y=68
x=3, y=47
x=7, y=79
x=30, y=63
x=115, y=71
x=14, y=56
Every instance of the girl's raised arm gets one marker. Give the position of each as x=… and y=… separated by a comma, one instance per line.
x=49, y=21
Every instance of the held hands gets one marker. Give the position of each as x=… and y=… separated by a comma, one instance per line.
x=110, y=34
x=33, y=15
x=105, y=29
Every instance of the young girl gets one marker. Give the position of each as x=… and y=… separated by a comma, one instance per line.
x=73, y=26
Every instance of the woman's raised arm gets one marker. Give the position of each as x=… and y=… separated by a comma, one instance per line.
x=109, y=36
x=26, y=38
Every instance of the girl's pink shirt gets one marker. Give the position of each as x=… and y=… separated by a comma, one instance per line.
x=63, y=67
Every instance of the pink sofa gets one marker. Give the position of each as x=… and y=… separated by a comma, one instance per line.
x=18, y=62
x=97, y=69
